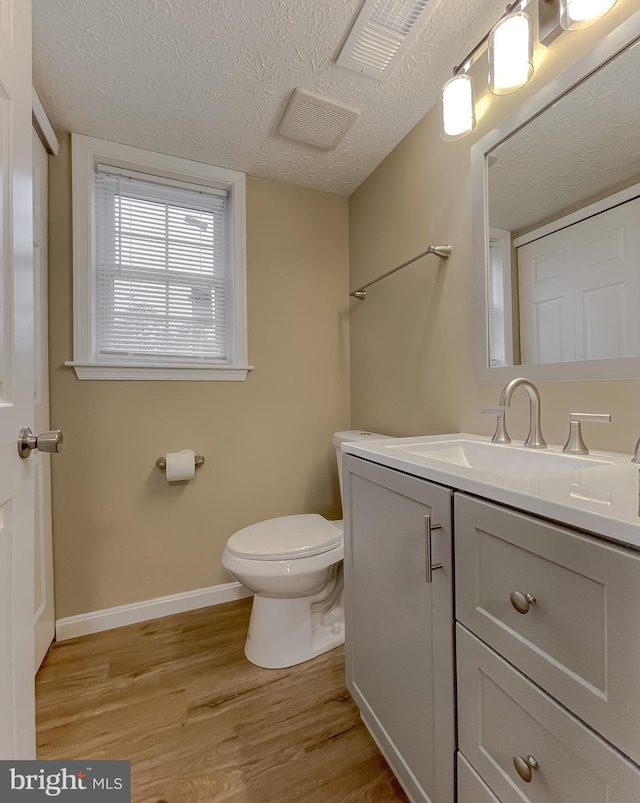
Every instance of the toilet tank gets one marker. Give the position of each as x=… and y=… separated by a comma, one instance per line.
x=350, y=435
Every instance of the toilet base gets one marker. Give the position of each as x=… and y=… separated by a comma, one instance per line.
x=285, y=632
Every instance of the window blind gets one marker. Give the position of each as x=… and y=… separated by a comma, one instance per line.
x=161, y=283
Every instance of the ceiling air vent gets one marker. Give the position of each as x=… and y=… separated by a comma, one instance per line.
x=381, y=35
x=314, y=119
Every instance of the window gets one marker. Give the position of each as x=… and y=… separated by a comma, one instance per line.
x=159, y=266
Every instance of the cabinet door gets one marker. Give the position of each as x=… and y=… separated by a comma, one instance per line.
x=399, y=627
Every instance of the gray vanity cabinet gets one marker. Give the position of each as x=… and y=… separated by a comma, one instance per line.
x=579, y=639
x=548, y=654
x=505, y=721
x=399, y=626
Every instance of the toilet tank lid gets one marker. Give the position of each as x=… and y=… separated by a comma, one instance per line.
x=351, y=435
x=286, y=537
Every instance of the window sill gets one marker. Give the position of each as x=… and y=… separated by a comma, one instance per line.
x=167, y=372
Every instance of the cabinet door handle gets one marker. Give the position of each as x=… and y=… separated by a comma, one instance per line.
x=428, y=529
x=521, y=602
x=525, y=766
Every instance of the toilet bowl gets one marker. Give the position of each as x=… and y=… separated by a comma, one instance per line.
x=293, y=565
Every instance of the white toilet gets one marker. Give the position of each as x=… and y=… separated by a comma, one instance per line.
x=293, y=565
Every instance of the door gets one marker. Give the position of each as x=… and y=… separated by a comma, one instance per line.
x=607, y=284
x=44, y=613
x=399, y=626
x=545, y=281
x=580, y=289
x=17, y=727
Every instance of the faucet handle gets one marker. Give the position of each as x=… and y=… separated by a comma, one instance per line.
x=500, y=435
x=575, y=444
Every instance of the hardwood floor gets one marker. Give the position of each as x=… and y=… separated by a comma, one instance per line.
x=201, y=724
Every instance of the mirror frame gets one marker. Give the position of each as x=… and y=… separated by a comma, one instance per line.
x=583, y=370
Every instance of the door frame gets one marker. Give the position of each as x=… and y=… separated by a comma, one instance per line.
x=43, y=126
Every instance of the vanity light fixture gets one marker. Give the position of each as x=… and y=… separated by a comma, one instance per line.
x=557, y=16
x=457, y=97
x=457, y=108
x=575, y=14
x=511, y=53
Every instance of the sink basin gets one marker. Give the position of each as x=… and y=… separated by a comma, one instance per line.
x=513, y=461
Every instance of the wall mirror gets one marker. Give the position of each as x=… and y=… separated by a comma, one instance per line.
x=556, y=211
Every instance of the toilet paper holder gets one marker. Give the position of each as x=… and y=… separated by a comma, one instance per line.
x=161, y=462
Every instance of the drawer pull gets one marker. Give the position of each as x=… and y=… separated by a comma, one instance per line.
x=430, y=566
x=521, y=602
x=525, y=766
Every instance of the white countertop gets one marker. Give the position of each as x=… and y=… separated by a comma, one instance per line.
x=602, y=500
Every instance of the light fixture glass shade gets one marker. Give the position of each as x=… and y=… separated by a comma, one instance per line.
x=457, y=112
x=511, y=53
x=576, y=14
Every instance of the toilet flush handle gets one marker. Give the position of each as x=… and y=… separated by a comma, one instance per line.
x=430, y=566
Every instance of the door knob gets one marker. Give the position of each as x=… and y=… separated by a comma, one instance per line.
x=45, y=442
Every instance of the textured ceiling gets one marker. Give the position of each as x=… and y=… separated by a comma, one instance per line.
x=210, y=79
x=583, y=147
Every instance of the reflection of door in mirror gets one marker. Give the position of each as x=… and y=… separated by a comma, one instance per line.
x=579, y=288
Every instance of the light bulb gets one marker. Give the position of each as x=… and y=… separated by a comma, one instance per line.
x=457, y=114
x=576, y=14
x=510, y=54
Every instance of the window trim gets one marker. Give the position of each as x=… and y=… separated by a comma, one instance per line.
x=86, y=153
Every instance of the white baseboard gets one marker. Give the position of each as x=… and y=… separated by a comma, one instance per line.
x=109, y=618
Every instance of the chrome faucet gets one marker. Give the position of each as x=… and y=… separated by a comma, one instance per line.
x=534, y=438
x=575, y=444
x=500, y=435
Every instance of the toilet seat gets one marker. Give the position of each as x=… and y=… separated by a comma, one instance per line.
x=285, y=538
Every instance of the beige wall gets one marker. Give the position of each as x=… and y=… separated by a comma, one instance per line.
x=412, y=339
x=121, y=534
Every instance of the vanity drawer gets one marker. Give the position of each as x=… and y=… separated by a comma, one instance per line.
x=581, y=639
x=471, y=787
x=501, y=714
